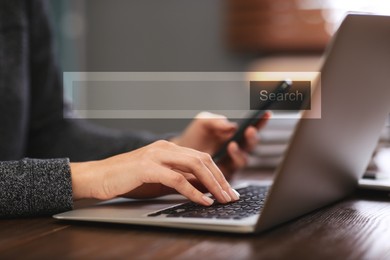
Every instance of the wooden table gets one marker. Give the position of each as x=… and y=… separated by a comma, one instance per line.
x=355, y=228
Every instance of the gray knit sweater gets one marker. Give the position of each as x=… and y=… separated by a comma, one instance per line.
x=32, y=123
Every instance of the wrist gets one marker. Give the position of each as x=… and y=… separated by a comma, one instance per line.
x=84, y=178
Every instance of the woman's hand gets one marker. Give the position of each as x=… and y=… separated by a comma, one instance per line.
x=207, y=133
x=157, y=169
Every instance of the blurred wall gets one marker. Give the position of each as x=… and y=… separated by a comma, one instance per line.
x=151, y=35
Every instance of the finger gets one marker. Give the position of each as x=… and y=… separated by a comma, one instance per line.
x=264, y=119
x=204, y=168
x=178, y=182
x=216, y=122
x=238, y=157
x=251, y=138
x=233, y=195
x=208, y=115
x=220, y=177
x=200, y=165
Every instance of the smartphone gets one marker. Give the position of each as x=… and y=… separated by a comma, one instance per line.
x=251, y=120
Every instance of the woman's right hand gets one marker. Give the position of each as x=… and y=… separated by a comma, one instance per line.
x=158, y=169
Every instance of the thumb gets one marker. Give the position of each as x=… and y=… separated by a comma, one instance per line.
x=216, y=122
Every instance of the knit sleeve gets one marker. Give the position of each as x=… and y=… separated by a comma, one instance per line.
x=32, y=187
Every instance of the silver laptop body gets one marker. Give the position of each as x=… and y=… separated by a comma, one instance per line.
x=326, y=156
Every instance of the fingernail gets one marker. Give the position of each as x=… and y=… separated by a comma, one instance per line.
x=208, y=200
x=226, y=196
x=234, y=194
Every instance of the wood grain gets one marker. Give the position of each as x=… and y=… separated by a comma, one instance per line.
x=16, y=233
x=356, y=228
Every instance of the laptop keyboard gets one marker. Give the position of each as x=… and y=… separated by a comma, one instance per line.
x=250, y=203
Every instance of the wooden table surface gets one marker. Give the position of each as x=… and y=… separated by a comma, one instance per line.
x=355, y=228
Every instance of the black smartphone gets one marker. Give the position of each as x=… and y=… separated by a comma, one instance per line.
x=251, y=120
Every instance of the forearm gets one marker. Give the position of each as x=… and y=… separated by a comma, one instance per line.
x=32, y=187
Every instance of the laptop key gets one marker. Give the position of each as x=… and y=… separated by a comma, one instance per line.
x=250, y=203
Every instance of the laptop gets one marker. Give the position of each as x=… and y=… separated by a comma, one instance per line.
x=324, y=160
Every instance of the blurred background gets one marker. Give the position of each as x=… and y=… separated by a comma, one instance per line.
x=202, y=35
